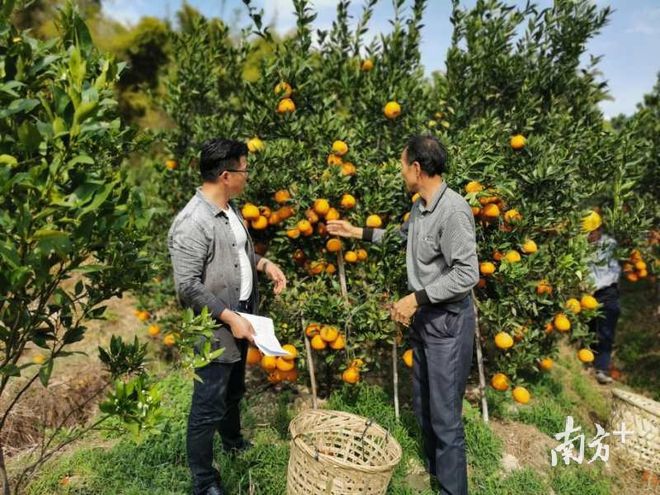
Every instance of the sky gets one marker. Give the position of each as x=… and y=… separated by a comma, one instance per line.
x=629, y=44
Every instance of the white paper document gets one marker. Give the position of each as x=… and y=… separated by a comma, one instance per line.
x=264, y=338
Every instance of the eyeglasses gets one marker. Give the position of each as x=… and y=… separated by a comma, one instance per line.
x=246, y=172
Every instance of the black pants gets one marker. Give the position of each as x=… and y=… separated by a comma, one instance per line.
x=605, y=326
x=442, y=344
x=215, y=407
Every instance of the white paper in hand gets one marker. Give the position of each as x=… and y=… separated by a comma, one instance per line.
x=264, y=337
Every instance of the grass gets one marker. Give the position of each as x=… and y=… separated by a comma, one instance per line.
x=158, y=464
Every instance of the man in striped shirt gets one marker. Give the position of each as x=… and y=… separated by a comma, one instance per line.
x=442, y=269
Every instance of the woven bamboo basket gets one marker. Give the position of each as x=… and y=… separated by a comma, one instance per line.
x=338, y=453
x=640, y=415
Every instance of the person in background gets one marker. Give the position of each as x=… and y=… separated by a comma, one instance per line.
x=605, y=272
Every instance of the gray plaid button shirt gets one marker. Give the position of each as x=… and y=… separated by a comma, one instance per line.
x=206, y=265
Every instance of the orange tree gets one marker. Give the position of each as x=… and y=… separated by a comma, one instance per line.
x=528, y=133
x=326, y=121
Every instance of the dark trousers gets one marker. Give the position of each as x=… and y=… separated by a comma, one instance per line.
x=605, y=326
x=442, y=344
x=215, y=407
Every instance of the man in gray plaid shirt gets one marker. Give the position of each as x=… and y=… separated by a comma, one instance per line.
x=215, y=266
x=442, y=268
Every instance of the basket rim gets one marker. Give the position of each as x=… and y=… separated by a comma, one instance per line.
x=633, y=399
x=303, y=446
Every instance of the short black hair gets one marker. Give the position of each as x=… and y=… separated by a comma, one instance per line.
x=429, y=152
x=218, y=155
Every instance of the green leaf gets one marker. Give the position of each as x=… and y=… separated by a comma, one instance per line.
x=45, y=372
x=19, y=106
x=55, y=240
x=8, y=160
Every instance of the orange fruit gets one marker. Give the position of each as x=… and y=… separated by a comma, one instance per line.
x=473, y=187
x=500, y=382
x=332, y=214
x=283, y=364
x=286, y=106
x=374, y=221
x=311, y=216
x=367, y=65
x=512, y=256
x=250, y=211
x=39, y=359
x=317, y=267
x=356, y=363
x=549, y=327
x=321, y=229
x=269, y=363
x=339, y=148
x=255, y=145
x=253, y=356
x=521, y=395
x=498, y=255
x=330, y=269
x=143, y=315
x=329, y=333
x=490, y=211
x=635, y=255
x=585, y=355
x=573, y=305
x=408, y=358
x=283, y=89
x=350, y=257
x=321, y=206
x=392, y=110
x=406, y=216
x=293, y=233
x=153, y=330
x=305, y=227
x=503, y=341
x=491, y=198
x=260, y=223
x=282, y=196
x=289, y=376
x=275, y=376
x=512, y=215
x=291, y=349
x=546, y=364
x=317, y=343
x=628, y=267
x=334, y=160
x=529, y=246
x=482, y=283
x=351, y=375
x=312, y=329
x=543, y=287
x=640, y=265
x=362, y=254
x=347, y=201
x=274, y=218
x=561, y=322
x=632, y=277
x=265, y=211
x=415, y=197
x=486, y=268
x=642, y=274
x=518, y=142
x=286, y=212
x=339, y=343
x=171, y=164
x=333, y=245
x=588, y=302
x=169, y=340
x=348, y=169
